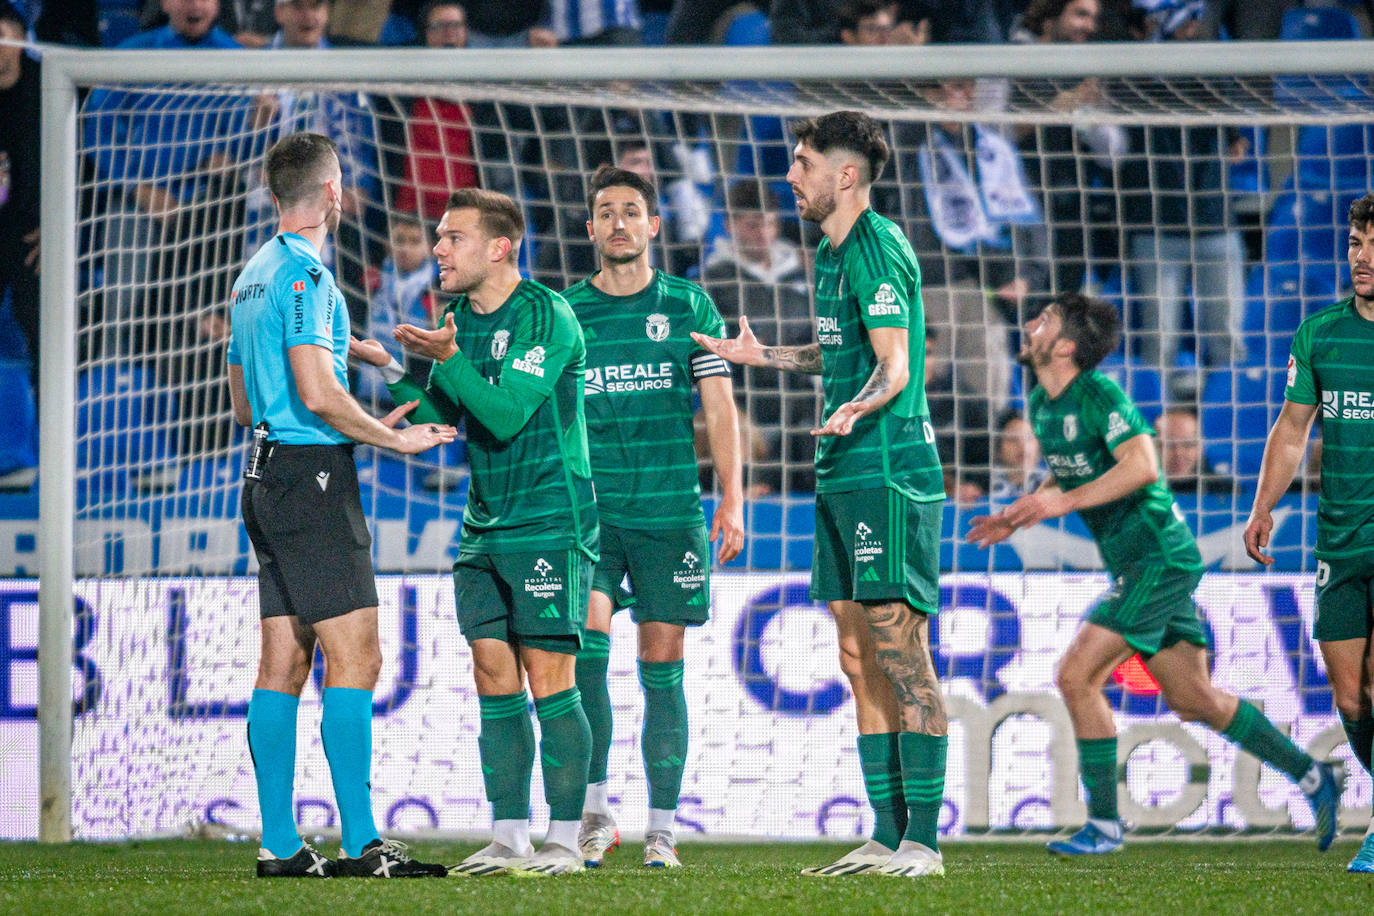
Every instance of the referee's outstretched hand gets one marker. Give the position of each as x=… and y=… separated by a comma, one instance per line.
x=423, y=436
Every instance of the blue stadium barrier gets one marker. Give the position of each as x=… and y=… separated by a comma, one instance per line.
x=18, y=419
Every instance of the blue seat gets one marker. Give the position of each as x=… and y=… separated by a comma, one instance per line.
x=1334, y=157
x=1143, y=384
x=748, y=29
x=1318, y=23
x=1238, y=406
x=123, y=420
x=19, y=419
x=1277, y=298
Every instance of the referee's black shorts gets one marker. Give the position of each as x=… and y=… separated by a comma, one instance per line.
x=305, y=519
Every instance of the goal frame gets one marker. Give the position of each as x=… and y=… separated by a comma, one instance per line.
x=65, y=71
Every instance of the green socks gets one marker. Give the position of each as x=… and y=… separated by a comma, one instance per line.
x=664, y=739
x=506, y=747
x=880, y=760
x=923, y=784
x=565, y=747
x=596, y=698
x=1361, y=734
x=1257, y=735
x=1097, y=766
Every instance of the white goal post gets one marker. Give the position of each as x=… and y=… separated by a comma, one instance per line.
x=65, y=72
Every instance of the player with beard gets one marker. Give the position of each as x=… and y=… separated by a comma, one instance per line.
x=879, y=488
x=1102, y=462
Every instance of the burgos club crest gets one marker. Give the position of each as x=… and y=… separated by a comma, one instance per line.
x=500, y=342
x=656, y=327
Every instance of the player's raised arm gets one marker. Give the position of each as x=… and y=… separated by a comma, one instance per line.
x=1283, y=452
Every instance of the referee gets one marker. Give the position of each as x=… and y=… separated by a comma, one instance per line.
x=287, y=378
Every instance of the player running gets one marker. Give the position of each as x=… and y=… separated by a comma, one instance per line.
x=1103, y=465
x=288, y=379
x=878, y=486
x=641, y=363
x=1329, y=365
x=508, y=360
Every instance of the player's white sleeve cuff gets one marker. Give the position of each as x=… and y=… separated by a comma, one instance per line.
x=392, y=372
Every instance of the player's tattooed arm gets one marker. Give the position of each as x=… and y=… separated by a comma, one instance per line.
x=746, y=350
x=901, y=640
x=806, y=359
x=889, y=377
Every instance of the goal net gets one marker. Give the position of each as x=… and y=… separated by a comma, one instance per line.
x=1210, y=208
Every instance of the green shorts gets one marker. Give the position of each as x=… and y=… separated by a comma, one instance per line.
x=535, y=598
x=668, y=571
x=1345, y=594
x=877, y=545
x=1151, y=608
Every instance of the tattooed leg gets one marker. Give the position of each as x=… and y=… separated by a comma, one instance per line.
x=901, y=644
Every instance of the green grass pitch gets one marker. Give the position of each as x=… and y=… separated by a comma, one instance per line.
x=1272, y=878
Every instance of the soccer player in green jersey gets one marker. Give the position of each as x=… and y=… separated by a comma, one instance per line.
x=508, y=360
x=1103, y=466
x=1329, y=365
x=879, y=491
x=641, y=363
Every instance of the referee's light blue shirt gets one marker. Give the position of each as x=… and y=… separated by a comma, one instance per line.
x=286, y=297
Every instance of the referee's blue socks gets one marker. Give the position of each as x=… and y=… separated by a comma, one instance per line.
x=272, y=744
x=346, y=729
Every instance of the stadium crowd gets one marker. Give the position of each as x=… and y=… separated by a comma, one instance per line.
x=1203, y=250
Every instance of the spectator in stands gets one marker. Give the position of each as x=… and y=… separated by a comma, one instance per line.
x=961, y=426
x=804, y=22
x=402, y=293
x=511, y=24
x=71, y=22
x=978, y=231
x=19, y=182
x=701, y=22
x=873, y=23
x=344, y=117
x=753, y=271
x=438, y=133
x=1081, y=222
x=1017, y=467
x=251, y=22
x=1185, y=464
x=586, y=24
x=1178, y=223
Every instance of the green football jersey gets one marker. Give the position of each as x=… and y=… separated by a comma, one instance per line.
x=1078, y=431
x=1329, y=364
x=641, y=362
x=516, y=384
x=872, y=280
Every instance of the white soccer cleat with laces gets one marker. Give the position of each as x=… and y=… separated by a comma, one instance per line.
x=551, y=859
x=597, y=837
x=489, y=861
x=867, y=858
x=659, y=851
x=913, y=860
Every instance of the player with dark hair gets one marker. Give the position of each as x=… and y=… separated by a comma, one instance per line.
x=288, y=377
x=878, y=486
x=1102, y=462
x=641, y=366
x=1329, y=365
x=508, y=360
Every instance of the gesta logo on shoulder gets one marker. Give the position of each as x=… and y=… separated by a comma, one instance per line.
x=531, y=363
